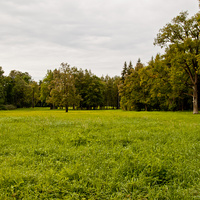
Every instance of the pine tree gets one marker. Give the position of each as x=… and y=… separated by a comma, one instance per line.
x=124, y=72
x=129, y=69
x=139, y=65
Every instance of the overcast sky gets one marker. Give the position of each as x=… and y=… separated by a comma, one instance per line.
x=100, y=35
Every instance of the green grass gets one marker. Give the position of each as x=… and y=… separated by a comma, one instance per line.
x=108, y=154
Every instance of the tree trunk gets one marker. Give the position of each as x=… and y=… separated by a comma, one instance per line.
x=66, y=108
x=33, y=99
x=145, y=107
x=125, y=108
x=195, y=99
x=118, y=101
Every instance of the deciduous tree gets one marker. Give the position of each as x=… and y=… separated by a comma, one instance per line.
x=2, y=87
x=181, y=39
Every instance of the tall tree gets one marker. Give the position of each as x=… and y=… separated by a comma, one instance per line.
x=81, y=84
x=19, y=88
x=59, y=88
x=139, y=65
x=124, y=72
x=109, y=92
x=116, y=98
x=94, y=93
x=181, y=38
x=45, y=88
x=35, y=93
x=130, y=90
x=130, y=67
x=67, y=84
x=2, y=87
x=160, y=88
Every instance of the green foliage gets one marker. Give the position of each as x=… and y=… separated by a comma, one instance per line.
x=45, y=89
x=35, y=93
x=131, y=90
x=63, y=87
x=81, y=89
x=46, y=154
x=94, y=96
x=2, y=89
x=111, y=94
x=124, y=72
x=181, y=38
x=169, y=80
x=18, y=89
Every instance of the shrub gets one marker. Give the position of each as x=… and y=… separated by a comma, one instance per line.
x=2, y=107
x=10, y=107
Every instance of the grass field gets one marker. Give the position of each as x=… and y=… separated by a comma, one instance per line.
x=107, y=154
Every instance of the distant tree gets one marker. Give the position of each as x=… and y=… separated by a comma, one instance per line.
x=45, y=88
x=181, y=87
x=94, y=93
x=139, y=65
x=129, y=69
x=145, y=84
x=90, y=88
x=117, y=81
x=130, y=90
x=2, y=87
x=19, y=89
x=160, y=88
x=124, y=72
x=59, y=88
x=35, y=93
x=55, y=90
x=109, y=92
x=81, y=83
x=69, y=94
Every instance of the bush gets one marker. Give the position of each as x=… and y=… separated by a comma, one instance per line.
x=10, y=107
x=2, y=107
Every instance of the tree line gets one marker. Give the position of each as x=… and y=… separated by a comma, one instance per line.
x=61, y=88
x=168, y=82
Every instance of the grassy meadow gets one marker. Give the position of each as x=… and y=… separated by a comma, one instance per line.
x=102, y=154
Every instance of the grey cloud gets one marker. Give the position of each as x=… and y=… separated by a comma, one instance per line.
x=89, y=33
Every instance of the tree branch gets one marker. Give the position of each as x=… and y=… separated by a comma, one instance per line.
x=188, y=71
